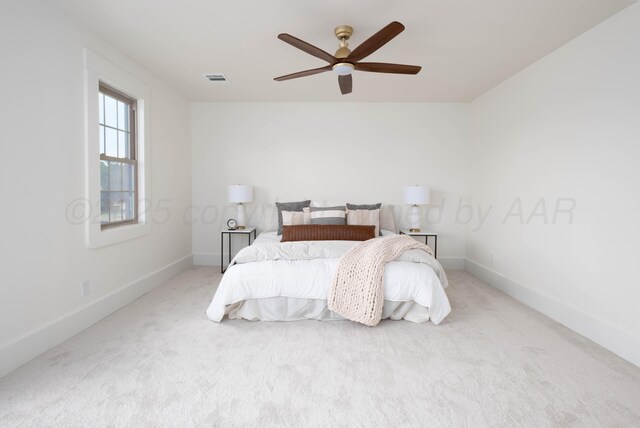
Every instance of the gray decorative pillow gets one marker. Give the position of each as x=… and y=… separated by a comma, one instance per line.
x=289, y=206
x=329, y=215
x=364, y=207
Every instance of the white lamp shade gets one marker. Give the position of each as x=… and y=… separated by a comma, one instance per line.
x=240, y=193
x=417, y=195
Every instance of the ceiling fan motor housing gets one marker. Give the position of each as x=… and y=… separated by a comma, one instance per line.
x=343, y=33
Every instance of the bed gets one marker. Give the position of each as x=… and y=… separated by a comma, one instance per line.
x=287, y=281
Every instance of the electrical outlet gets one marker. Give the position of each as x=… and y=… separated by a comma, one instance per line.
x=85, y=287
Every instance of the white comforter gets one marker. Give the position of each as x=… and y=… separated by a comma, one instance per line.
x=304, y=269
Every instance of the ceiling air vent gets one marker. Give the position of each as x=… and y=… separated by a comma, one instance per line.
x=216, y=77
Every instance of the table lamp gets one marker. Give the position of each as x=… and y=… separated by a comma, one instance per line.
x=414, y=196
x=240, y=194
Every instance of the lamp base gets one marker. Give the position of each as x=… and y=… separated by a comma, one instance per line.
x=240, y=217
x=414, y=218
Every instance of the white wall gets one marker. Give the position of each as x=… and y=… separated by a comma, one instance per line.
x=44, y=256
x=342, y=152
x=567, y=126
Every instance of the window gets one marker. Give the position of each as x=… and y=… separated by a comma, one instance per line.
x=118, y=168
x=118, y=158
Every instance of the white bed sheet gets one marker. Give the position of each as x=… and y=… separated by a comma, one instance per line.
x=304, y=270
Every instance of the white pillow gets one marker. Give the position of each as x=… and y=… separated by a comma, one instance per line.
x=386, y=219
x=365, y=218
x=326, y=203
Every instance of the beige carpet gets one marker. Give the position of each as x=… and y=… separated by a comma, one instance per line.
x=160, y=362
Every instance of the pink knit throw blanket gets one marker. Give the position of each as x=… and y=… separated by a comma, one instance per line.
x=357, y=290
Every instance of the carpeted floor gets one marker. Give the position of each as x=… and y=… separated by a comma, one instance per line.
x=160, y=362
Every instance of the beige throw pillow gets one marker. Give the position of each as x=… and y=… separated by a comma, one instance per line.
x=294, y=218
x=365, y=218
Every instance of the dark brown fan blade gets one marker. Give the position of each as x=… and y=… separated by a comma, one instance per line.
x=346, y=84
x=303, y=73
x=306, y=47
x=382, y=67
x=376, y=41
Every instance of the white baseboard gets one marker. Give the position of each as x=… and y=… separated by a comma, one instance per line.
x=601, y=332
x=31, y=345
x=213, y=259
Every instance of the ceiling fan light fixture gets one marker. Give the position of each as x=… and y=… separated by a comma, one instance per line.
x=343, y=68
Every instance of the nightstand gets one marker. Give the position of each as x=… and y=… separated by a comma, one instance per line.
x=247, y=232
x=426, y=238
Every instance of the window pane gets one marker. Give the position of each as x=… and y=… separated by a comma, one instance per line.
x=104, y=207
x=126, y=125
x=118, y=191
x=115, y=179
x=123, y=144
x=128, y=205
x=110, y=112
x=111, y=143
x=115, y=208
x=127, y=176
x=101, y=132
x=104, y=176
x=100, y=108
x=123, y=111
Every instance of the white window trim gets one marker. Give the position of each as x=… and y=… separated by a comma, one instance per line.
x=99, y=69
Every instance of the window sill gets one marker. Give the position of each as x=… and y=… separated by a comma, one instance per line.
x=99, y=237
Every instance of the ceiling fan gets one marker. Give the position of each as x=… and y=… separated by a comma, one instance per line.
x=345, y=61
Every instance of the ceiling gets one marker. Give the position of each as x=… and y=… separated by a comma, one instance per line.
x=465, y=47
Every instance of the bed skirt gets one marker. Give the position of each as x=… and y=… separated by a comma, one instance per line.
x=294, y=309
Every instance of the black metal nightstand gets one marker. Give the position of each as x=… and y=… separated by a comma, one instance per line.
x=248, y=231
x=426, y=238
